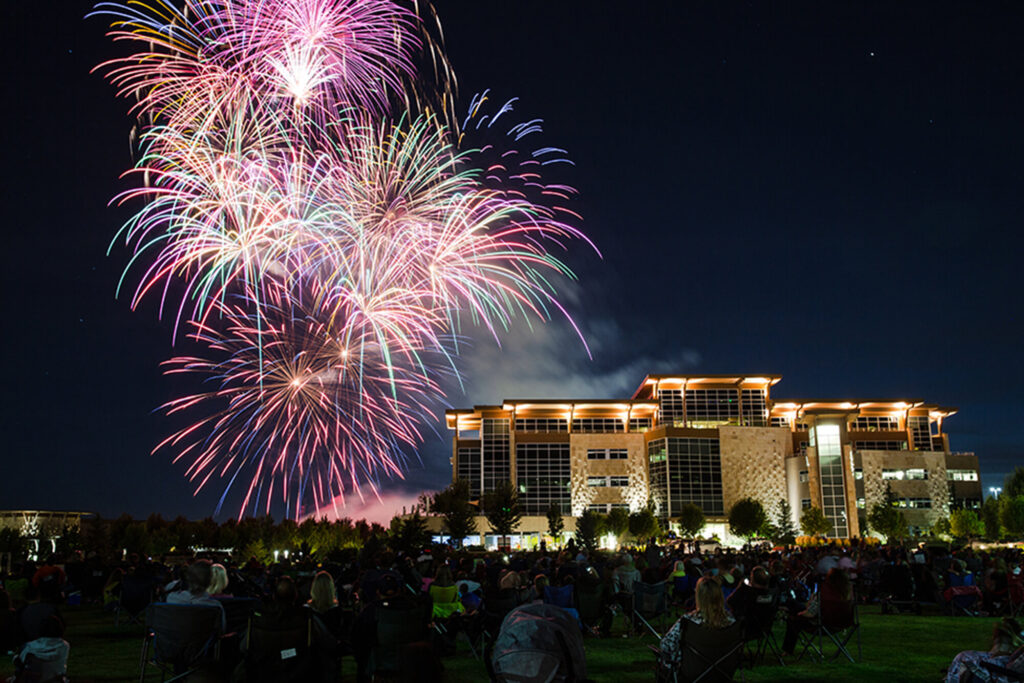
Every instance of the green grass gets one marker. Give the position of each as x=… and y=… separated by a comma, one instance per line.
x=903, y=648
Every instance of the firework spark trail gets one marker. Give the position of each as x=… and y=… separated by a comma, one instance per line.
x=325, y=240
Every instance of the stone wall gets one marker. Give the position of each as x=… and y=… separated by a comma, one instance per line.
x=635, y=467
x=754, y=464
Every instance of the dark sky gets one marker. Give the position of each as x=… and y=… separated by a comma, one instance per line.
x=828, y=191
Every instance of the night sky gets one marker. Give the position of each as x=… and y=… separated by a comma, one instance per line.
x=828, y=191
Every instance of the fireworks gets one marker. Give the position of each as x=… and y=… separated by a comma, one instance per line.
x=324, y=226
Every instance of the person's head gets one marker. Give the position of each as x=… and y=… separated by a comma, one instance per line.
x=759, y=577
x=285, y=592
x=1007, y=635
x=198, y=576
x=52, y=627
x=322, y=594
x=509, y=579
x=839, y=581
x=444, y=576
x=710, y=602
x=540, y=582
x=220, y=579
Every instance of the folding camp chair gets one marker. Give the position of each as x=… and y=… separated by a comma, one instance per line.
x=136, y=594
x=708, y=655
x=838, y=622
x=179, y=638
x=758, y=622
x=398, y=627
x=237, y=612
x=591, y=606
x=280, y=651
x=650, y=602
x=963, y=600
x=1015, y=597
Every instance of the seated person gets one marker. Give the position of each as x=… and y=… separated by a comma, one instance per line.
x=710, y=612
x=198, y=577
x=836, y=588
x=32, y=616
x=967, y=667
x=749, y=593
x=44, y=658
x=390, y=592
x=218, y=582
x=445, y=595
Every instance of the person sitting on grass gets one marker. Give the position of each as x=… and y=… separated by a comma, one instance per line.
x=710, y=612
x=969, y=665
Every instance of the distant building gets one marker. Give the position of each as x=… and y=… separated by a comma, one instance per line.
x=712, y=440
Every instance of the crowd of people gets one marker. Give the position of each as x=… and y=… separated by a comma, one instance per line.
x=451, y=593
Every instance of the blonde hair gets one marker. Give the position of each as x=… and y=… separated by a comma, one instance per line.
x=322, y=594
x=218, y=579
x=711, y=603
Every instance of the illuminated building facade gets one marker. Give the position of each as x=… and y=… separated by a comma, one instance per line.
x=713, y=440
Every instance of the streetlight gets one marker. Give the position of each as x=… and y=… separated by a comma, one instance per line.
x=995, y=490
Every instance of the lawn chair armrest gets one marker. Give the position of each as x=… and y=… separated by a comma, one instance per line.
x=1008, y=674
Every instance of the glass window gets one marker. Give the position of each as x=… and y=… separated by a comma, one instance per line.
x=597, y=481
x=639, y=424
x=858, y=473
x=685, y=470
x=920, y=433
x=780, y=422
x=618, y=481
x=598, y=425
x=496, y=455
x=467, y=467
x=879, y=445
x=917, y=474
x=607, y=454
x=542, y=475
x=874, y=423
x=805, y=503
x=830, y=467
x=803, y=477
x=962, y=475
x=892, y=474
x=541, y=424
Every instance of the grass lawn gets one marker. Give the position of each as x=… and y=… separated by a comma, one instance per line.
x=896, y=648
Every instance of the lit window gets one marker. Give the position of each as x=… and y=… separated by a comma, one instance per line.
x=917, y=474
x=860, y=503
x=805, y=503
x=803, y=477
x=858, y=473
x=597, y=481
x=618, y=481
x=892, y=474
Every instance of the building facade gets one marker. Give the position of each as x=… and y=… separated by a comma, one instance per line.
x=712, y=440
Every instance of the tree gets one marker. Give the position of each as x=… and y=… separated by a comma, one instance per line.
x=617, y=522
x=965, y=524
x=410, y=534
x=990, y=516
x=454, y=507
x=555, y=522
x=888, y=521
x=1013, y=485
x=589, y=526
x=747, y=518
x=643, y=524
x=691, y=520
x=813, y=522
x=501, y=506
x=782, y=531
x=1011, y=515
